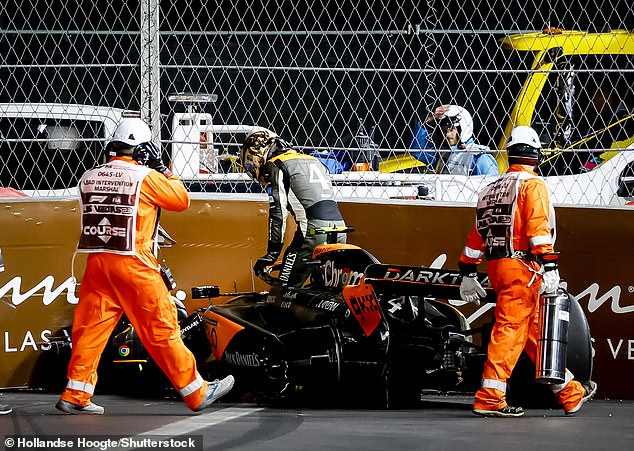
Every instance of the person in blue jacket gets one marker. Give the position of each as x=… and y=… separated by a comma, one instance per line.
x=450, y=127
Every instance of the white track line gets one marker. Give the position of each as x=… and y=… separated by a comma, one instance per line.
x=196, y=422
x=193, y=423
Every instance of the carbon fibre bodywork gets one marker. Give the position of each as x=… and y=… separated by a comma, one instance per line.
x=380, y=340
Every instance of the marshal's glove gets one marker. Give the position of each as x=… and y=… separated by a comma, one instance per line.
x=470, y=288
x=148, y=154
x=550, y=280
x=269, y=259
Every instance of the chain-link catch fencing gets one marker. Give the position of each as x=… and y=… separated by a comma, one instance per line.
x=364, y=86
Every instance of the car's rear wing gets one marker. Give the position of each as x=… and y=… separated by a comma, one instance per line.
x=427, y=282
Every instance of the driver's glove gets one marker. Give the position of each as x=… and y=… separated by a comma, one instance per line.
x=550, y=280
x=470, y=288
x=148, y=154
x=269, y=259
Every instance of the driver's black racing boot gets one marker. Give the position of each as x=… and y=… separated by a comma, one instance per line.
x=215, y=390
x=504, y=412
x=590, y=388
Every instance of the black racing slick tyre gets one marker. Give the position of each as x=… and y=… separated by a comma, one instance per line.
x=580, y=354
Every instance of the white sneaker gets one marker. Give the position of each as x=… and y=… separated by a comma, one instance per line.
x=504, y=412
x=4, y=409
x=74, y=409
x=215, y=390
x=590, y=388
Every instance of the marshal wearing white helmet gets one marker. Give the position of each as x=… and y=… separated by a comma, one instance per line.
x=120, y=204
x=298, y=184
x=515, y=231
x=523, y=146
x=130, y=133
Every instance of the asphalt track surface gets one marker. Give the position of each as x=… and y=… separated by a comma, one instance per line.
x=441, y=423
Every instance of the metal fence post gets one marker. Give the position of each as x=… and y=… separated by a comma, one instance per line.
x=150, y=82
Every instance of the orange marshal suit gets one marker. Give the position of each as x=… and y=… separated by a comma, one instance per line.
x=115, y=283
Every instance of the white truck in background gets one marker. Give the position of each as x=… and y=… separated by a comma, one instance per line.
x=45, y=147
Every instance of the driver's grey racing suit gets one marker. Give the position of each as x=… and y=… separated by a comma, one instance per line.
x=300, y=185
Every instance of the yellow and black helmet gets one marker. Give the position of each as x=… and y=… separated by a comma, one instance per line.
x=256, y=150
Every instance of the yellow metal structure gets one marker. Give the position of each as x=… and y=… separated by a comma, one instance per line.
x=543, y=44
x=569, y=43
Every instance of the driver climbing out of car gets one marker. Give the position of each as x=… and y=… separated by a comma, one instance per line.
x=297, y=184
x=515, y=232
x=120, y=205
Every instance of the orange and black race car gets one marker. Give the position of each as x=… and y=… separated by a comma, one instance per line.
x=365, y=332
x=359, y=332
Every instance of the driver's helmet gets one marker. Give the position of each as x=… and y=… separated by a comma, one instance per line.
x=523, y=146
x=446, y=116
x=129, y=133
x=257, y=148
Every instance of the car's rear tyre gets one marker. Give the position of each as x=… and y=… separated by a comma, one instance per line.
x=526, y=392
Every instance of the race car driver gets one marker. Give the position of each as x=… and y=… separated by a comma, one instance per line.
x=296, y=183
x=515, y=232
x=120, y=204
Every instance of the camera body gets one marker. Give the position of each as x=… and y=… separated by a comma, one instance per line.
x=205, y=292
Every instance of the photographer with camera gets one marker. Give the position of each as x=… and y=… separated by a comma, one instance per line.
x=120, y=205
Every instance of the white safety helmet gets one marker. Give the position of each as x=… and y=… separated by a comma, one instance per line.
x=524, y=144
x=132, y=131
x=460, y=118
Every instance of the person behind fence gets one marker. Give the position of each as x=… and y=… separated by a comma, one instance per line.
x=297, y=184
x=450, y=127
x=515, y=231
x=120, y=206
